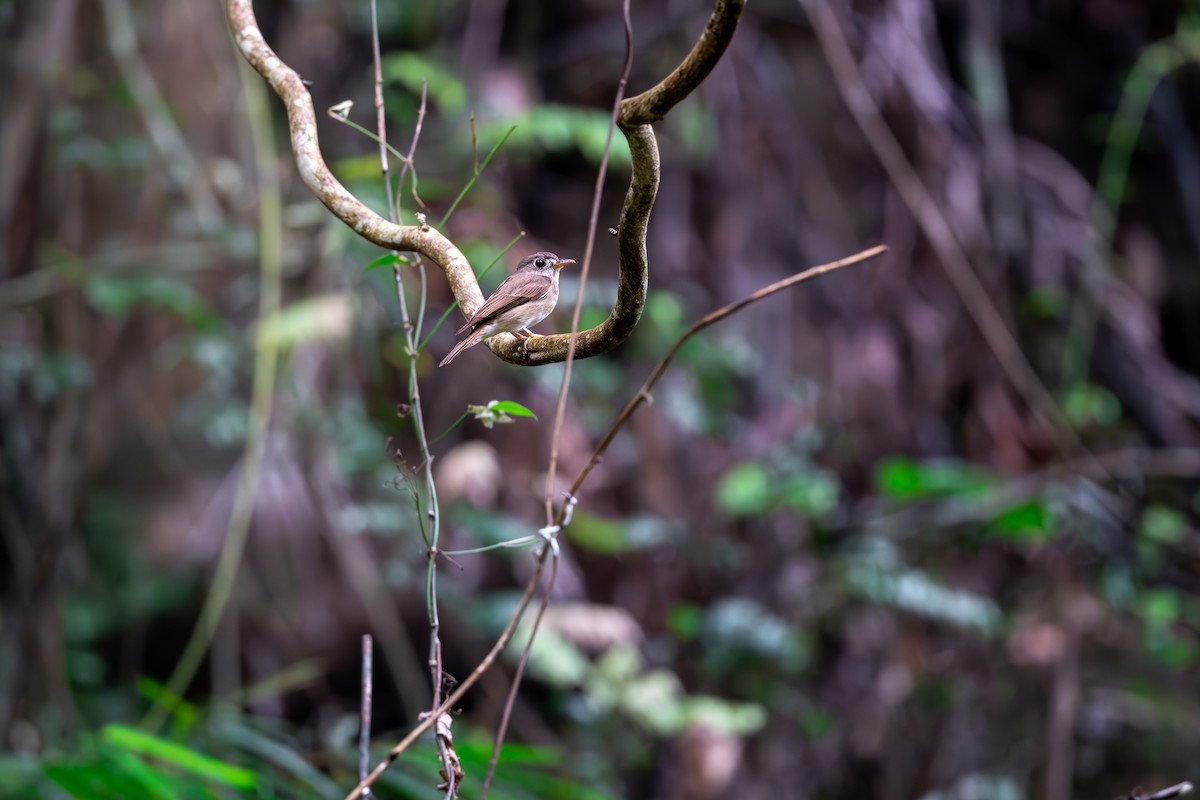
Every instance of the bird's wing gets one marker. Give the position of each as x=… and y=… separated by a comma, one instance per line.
x=515, y=290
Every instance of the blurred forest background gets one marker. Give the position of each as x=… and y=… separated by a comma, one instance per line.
x=858, y=547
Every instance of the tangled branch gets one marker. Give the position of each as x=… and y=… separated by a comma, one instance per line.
x=637, y=114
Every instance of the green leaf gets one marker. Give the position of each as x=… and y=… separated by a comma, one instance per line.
x=744, y=490
x=558, y=129
x=95, y=782
x=654, y=700
x=665, y=312
x=498, y=412
x=1170, y=648
x=185, y=713
x=357, y=168
x=1160, y=606
x=154, y=783
x=512, y=408
x=684, y=621
x=1027, y=522
x=722, y=716
x=136, y=741
x=1088, y=404
x=117, y=297
x=388, y=260
x=287, y=759
x=904, y=479
x=411, y=69
x=552, y=658
x=1162, y=524
x=598, y=535
x=814, y=493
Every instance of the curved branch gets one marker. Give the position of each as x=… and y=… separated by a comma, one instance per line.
x=653, y=104
x=636, y=115
x=635, y=118
x=302, y=124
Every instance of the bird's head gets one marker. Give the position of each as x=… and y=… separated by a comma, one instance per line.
x=545, y=263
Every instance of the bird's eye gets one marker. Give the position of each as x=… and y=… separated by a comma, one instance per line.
x=541, y=262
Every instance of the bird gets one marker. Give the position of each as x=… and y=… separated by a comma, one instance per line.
x=523, y=299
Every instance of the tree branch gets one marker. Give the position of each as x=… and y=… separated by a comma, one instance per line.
x=302, y=124
x=636, y=115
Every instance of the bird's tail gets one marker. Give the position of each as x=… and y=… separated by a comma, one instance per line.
x=470, y=341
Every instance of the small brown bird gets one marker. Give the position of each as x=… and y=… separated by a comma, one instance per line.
x=525, y=298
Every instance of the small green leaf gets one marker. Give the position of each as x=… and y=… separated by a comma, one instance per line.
x=512, y=408
x=1089, y=404
x=905, y=479
x=411, y=70
x=117, y=297
x=654, y=700
x=1162, y=524
x=94, y=782
x=684, y=621
x=498, y=412
x=1027, y=522
x=744, y=490
x=558, y=128
x=722, y=716
x=552, y=658
x=1160, y=606
x=596, y=534
x=386, y=260
x=1170, y=648
x=665, y=311
x=814, y=493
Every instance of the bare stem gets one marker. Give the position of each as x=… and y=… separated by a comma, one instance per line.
x=593, y=223
x=364, y=713
x=643, y=394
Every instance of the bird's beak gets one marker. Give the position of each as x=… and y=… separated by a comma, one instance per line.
x=563, y=263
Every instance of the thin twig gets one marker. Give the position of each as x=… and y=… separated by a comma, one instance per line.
x=478, y=168
x=542, y=555
x=474, y=147
x=1154, y=65
x=480, y=669
x=511, y=700
x=412, y=334
x=364, y=712
x=409, y=165
x=593, y=223
x=643, y=394
x=1178, y=790
x=380, y=116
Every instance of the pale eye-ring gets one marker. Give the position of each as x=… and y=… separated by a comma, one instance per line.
x=541, y=262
